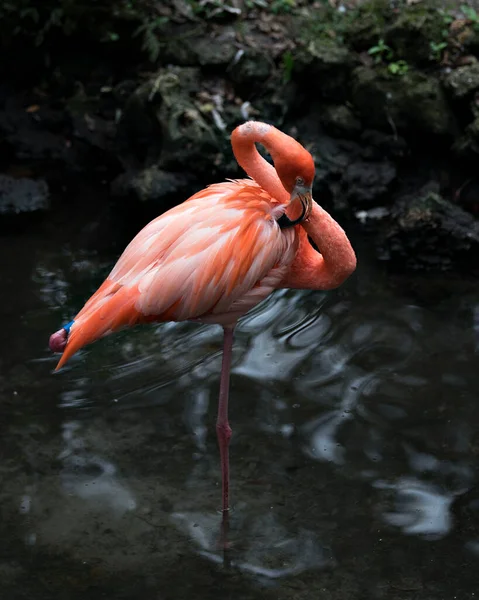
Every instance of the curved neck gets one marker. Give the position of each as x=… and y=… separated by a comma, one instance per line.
x=243, y=140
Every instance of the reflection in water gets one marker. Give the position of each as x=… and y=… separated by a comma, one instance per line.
x=421, y=508
x=91, y=477
x=270, y=551
x=351, y=411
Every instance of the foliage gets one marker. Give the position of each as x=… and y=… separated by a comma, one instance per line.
x=149, y=30
x=282, y=6
x=384, y=54
x=288, y=65
x=470, y=14
x=399, y=67
x=437, y=50
x=381, y=51
x=37, y=22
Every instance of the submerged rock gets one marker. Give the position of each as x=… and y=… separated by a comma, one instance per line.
x=21, y=199
x=428, y=232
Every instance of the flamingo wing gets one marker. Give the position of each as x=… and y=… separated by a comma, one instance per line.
x=211, y=259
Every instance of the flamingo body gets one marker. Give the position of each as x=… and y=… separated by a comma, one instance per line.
x=210, y=259
x=221, y=252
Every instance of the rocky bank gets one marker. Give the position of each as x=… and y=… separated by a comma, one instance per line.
x=384, y=94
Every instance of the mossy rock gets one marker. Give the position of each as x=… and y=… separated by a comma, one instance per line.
x=367, y=23
x=189, y=47
x=252, y=67
x=414, y=101
x=411, y=34
x=340, y=120
x=427, y=232
x=162, y=120
x=326, y=66
x=467, y=145
x=463, y=81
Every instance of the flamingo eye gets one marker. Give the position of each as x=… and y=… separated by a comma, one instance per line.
x=299, y=181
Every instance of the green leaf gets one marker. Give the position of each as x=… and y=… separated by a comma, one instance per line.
x=469, y=12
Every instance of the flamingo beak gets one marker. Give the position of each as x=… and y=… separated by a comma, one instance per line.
x=305, y=196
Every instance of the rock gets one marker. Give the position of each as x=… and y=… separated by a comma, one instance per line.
x=20, y=198
x=152, y=185
x=217, y=51
x=340, y=120
x=467, y=145
x=366, y=183
x=411, y=33
x=428, y=232
x=345, y=181
x=365, y=30
x=208, y=49
x=251, y=67
x=413, y=102
x=463, y=81
x=377, y=145
x=165, y=123
x=325, y=68
x=29, y=138
x=143, y=194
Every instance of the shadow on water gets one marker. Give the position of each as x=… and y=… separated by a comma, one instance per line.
x=354, y=449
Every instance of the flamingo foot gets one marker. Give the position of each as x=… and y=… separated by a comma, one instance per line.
x=59, y=339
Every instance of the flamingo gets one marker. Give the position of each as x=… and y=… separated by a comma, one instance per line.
x=218, y=254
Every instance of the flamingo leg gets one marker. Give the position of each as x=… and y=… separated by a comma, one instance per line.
x=223, y=429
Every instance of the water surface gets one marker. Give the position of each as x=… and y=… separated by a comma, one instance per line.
x=354, y=452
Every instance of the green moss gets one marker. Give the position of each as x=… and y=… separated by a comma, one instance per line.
x=366, y=24
x=414, y=101
x=411, y=34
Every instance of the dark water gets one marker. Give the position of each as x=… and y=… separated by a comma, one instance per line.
x=354, y=455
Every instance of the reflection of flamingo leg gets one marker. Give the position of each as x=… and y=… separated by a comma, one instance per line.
x=223, y=429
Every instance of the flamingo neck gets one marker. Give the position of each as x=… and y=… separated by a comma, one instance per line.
x=243, y=140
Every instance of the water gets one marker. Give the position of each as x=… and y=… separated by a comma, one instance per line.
x=353, y=457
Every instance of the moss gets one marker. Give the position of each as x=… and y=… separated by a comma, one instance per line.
x=366, y=24
x=412, y=102
x=411, y=34
x=326, y=67
x=463, y=81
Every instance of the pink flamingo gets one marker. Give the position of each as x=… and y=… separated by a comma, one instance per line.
x=218, y=254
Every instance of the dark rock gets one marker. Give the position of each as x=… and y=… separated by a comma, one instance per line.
x=30, y=138
x=143, y=194
x=340, y=120
x=467, y=145
x=217, y=51
x=326, y=66
x=463, y=81
x=251, y=67
x=365, y=30
x=428, y=232
x=366, y=183
x=22, y=197
x=191, y=48
x=414, y=101
x=169, y=121
x=377, y=145
x=152, y=185
x=411, y=33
